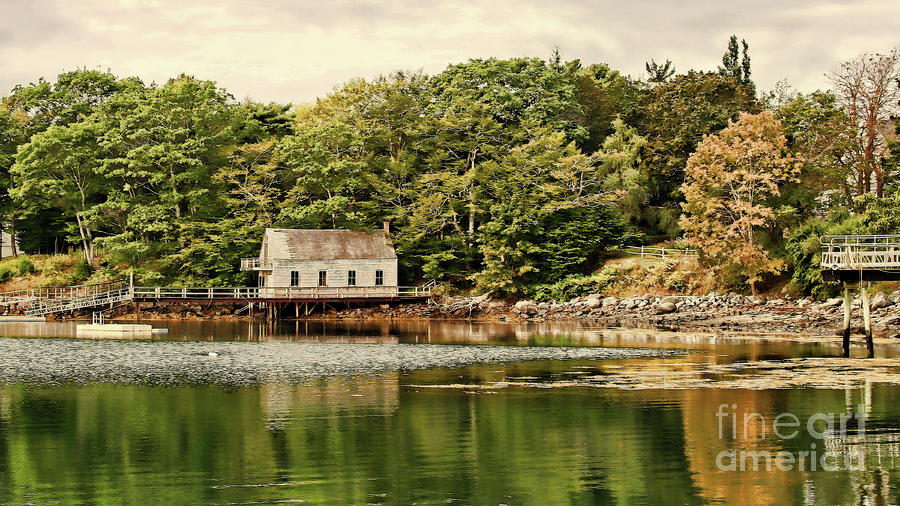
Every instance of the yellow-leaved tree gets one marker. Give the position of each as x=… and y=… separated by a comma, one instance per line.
x=730, y=182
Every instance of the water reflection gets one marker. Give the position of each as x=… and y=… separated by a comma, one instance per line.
x=381, y=439
x=373, y=440
x=472, y=332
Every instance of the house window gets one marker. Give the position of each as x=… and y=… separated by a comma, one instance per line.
x=351, y=278
x=323, y=278
x=295, y=278
x=379, y=277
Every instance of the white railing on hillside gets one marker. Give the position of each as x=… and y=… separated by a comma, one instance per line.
x=645, y=251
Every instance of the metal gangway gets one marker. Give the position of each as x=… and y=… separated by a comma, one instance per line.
x=69, y=298
x=16, y=297
x=860, y=252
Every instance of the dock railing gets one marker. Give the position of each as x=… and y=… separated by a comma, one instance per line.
x=284, y=292
x=16, y=297
x=255, y=264
x=46, y=300
x=860, y=252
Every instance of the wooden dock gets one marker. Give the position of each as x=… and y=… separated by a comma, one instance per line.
x=855, y=261
x=49, y=300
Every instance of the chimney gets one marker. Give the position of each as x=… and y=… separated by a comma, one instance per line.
x=387, y=228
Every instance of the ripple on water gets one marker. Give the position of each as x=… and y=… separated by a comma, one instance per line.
x=50, y=361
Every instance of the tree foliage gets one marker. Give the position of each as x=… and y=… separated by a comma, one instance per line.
x=730, y=181
x=508, y=175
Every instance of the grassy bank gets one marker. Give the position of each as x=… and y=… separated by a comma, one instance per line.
x=32, y=271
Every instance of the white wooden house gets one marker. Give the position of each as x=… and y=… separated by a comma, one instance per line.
x=325, y=259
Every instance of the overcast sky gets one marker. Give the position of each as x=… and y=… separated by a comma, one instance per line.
x=294, y=51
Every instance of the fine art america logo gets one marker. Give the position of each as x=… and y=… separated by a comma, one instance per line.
x=833, y=441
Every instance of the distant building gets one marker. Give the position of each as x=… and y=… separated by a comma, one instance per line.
x=6, y=245
x=325, y=258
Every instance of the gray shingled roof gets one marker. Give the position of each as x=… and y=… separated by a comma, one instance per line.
x=329, y=244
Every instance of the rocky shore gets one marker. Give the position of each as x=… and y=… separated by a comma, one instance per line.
x=715, y=311
x=730, y=312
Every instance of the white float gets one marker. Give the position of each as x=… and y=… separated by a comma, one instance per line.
x=114, y=329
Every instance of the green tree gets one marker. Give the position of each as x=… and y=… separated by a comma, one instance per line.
x=624, y=173
x=658, y=74
x=736, y=64
x=602, y=95
x=547, y=217
x=61, y=167
x=674, y=117
x=12, y=135
x=164, y=145
x=815, y=128
x=518, y=91
x=327, y=178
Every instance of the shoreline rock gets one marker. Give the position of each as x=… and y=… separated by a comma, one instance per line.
x=714, y=311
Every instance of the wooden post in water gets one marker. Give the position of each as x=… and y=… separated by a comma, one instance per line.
x=848, y=301
x=867, y=318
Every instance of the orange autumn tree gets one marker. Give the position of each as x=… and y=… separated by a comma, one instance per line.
x=730, y=181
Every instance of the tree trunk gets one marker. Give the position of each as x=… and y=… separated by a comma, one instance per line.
x=12, y=238
x=86, y=246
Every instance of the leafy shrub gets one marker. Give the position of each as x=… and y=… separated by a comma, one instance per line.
x=803, y=252
x=5, y=274
x=82, y=271
x=577, y=285
x=26, y=266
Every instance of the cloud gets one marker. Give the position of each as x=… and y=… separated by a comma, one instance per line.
x=293, y=51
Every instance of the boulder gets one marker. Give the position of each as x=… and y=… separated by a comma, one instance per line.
x=757, y=300
x=833, y=302
x=673, y=300
x=666, y=308
x=526, y=306
x=482, y=298
x=610, y=301
x=593, y=303
x=880, y=300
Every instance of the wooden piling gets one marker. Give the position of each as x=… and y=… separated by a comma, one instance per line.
x=867, y=319
x=848, y=301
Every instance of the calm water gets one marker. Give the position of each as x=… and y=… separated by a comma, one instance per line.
x=389, y=439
